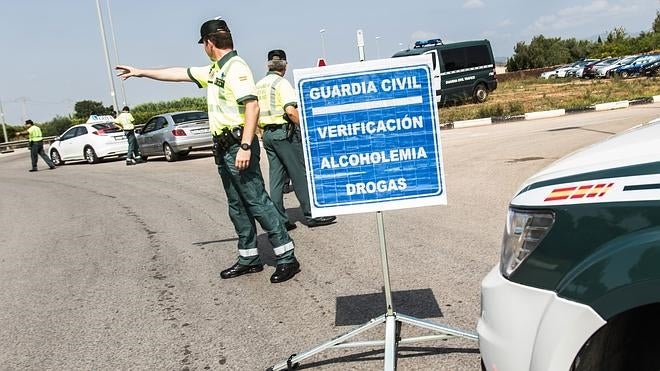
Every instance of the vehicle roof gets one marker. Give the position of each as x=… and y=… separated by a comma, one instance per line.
x=638, y=145
x=424, y=49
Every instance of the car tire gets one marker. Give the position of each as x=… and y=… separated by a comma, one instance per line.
x=183, y=153
x=625, y=74
x=90, y=155
x=480, y=94
x=169, y=153
x=56, y=158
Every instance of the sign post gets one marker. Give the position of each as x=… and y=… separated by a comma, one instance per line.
x=372, y=143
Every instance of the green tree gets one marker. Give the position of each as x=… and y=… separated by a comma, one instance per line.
x=56, y=126
x=85, y=108
x=656, y=22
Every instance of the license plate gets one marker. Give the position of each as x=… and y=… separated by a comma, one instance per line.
x=120, y=138
x=200, y=131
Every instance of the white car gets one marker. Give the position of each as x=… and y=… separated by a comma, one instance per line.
x=578, y=285
x=88, y=142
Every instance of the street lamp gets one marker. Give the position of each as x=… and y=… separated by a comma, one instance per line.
x=114, y=44
x=377, y=47
x=107, y=58
x=4, y=128
x=322, y=33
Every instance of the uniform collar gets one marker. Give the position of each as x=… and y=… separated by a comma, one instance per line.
x=273, y=73
x=226, y=58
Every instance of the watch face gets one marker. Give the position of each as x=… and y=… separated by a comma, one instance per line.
x=245, y=146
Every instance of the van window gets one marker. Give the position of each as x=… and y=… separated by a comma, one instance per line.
x=460, y=58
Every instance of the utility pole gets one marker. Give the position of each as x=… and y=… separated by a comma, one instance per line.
x=107, y=59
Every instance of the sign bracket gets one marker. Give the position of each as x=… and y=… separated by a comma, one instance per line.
x=391, y=319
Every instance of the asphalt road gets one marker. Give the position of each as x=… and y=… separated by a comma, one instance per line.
x=113, y=267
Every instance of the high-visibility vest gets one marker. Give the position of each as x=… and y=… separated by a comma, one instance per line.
x=229, y=84
x=34, y=134
x=275, y=93
x=126, y=120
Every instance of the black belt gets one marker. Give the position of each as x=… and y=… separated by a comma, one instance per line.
x=223, y=141
x=273, y=127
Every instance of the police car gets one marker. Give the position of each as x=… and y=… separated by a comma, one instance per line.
x=578, y=284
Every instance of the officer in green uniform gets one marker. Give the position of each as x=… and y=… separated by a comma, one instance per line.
x=36, y=144
x=126, y=120
x=278, y=117
x=233, y=113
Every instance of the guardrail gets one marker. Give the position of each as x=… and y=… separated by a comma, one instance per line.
x=11, y=146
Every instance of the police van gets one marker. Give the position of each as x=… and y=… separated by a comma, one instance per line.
x=461, y=71
x=578, y=284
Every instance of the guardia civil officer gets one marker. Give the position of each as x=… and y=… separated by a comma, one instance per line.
x=126, y=120
x=278, y=117
x=36, y=145
x=233, y=113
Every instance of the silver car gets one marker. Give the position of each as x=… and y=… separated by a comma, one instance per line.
x=175, y=134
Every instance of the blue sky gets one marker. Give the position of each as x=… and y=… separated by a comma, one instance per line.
x=52, y=54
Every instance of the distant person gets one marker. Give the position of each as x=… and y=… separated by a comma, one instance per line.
x=126, y=120
x=36, y=145
x=233, y=114
x=278, y=117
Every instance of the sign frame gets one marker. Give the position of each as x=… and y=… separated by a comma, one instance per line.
x=362, y=107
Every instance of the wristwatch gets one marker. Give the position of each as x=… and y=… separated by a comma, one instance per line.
x=245, y=146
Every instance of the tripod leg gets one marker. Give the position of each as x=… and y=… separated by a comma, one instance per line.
x=390, y=343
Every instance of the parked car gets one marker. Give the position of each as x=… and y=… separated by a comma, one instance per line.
x=578, y=67
x=590, y=70
x=577, y=287
x=175, y=134
x=652, y=69
x=88, y=142
x=552, y=73
x=605, y=70
x=634, y=68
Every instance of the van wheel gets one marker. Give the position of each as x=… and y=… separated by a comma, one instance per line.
x=169, y=153
x=480, y=94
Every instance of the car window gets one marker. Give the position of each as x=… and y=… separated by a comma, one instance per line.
x=192, y=116
x=149, y=126
x=161, y=122
x=81, y=131
x=69, y=134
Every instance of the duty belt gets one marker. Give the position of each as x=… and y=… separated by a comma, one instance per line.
x=273, y=127
x=227, y=138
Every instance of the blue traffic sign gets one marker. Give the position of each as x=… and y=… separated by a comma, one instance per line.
x=371, y=136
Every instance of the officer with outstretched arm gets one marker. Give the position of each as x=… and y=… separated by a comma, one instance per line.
x=233, y=112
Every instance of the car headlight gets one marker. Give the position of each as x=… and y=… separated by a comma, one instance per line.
x=524, y=231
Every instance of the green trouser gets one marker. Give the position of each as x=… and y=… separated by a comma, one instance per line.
x=133, y=147
x=286, y=156
x=37, y=149
x=248, y=201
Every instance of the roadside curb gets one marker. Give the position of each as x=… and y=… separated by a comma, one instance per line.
x=551, y=113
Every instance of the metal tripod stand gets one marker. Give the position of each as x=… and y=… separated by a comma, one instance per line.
x=392, y=322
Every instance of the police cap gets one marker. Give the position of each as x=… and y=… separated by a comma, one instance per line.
x=211, y=26
x=277, y=54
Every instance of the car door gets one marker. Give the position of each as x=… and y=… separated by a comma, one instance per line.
x=68, y=144
x=145, y=139
x=160, y=134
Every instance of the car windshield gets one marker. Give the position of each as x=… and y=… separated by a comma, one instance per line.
x=190, y=116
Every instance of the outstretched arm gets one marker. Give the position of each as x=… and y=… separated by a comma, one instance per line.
x=162, y=74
